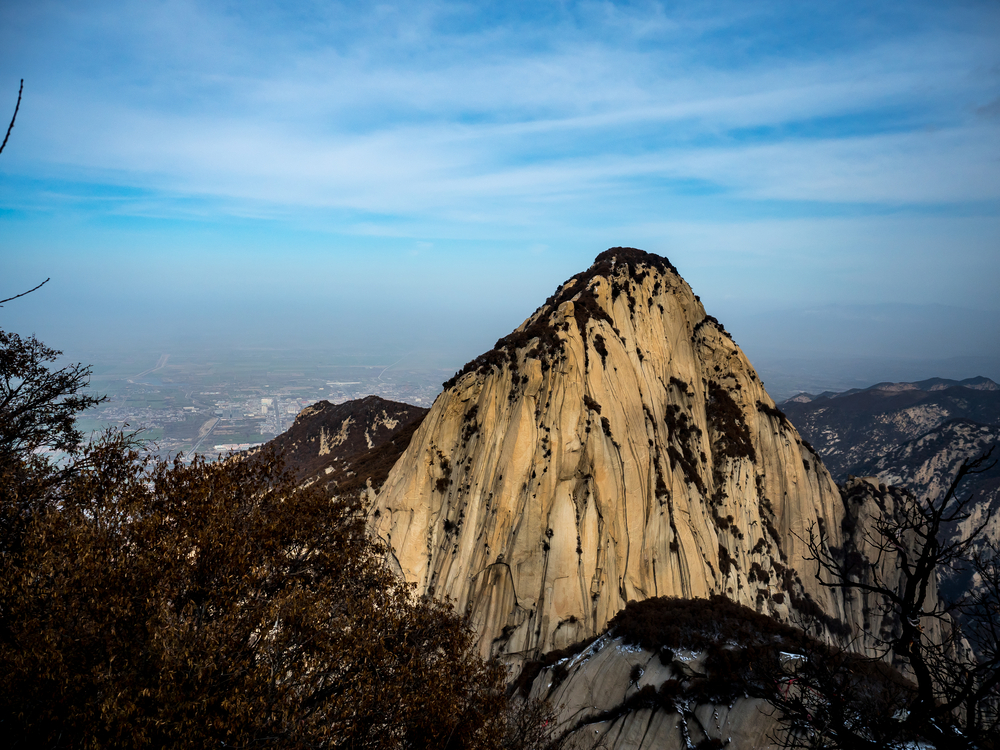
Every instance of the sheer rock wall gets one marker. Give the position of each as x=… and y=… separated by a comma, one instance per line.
x=618, y=445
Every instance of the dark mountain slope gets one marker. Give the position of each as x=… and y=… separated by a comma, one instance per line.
x=344, y=445
x=851, y=431
x=912, y=435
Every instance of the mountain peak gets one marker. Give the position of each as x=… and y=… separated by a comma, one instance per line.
x=634, y=259
x=333, y=443
x=616, y=446
x=591, y=295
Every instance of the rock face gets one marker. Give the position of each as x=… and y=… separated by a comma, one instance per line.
x=668, y=674
x=682, y=673
x=617, y=446
x=346, y=446
x=596, y=694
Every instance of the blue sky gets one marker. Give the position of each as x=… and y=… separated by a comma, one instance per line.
x=424, y=174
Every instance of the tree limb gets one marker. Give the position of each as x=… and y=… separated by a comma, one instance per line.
x=27, y=292
x=11, y=126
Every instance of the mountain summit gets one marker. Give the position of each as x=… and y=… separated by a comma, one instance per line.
x=617, y=446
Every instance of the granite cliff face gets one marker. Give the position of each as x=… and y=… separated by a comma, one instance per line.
x=602, y=705
x=675, y=673
x=617, y=446
x=666, y=675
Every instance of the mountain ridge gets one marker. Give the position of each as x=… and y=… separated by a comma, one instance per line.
x=978, y=383
x=852, y=430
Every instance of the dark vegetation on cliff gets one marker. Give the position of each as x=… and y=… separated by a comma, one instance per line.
x=344, y=446
x=731, y=436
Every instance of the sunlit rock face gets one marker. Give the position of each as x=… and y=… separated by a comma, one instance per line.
x=618, y=445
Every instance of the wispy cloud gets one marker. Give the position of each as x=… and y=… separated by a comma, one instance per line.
x=416, y=109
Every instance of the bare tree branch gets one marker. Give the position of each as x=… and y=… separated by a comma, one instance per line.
x=11, y=126
x=949, y=693
x=24, y=293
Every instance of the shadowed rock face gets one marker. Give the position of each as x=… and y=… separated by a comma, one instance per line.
x=595, y=696
x=666, y=675
x=347, y=445
x=617, y=446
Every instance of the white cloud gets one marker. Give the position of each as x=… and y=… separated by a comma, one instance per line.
x=409, y=119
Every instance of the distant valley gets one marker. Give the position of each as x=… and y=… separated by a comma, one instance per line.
x=214, y=403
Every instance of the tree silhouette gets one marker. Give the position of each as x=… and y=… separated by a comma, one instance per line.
x=945, y=692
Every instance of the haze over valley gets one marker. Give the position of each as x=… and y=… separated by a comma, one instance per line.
x=212, y=404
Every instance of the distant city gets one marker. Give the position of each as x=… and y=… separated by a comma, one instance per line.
x=193, y=403
x=213, y=403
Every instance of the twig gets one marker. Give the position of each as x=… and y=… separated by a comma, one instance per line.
x=11, y=126
x=24, y=293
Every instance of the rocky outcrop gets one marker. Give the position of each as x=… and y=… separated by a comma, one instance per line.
x=348, y=446
x=617, y=446
x=683, y=673
x=611, y=695
x=671, y=673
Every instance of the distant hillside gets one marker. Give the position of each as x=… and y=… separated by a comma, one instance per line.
x=345, y=445
x=912, y=435
x=852, y=430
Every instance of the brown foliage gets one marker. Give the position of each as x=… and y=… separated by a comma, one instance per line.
x=212, y=604
x=215, y=604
